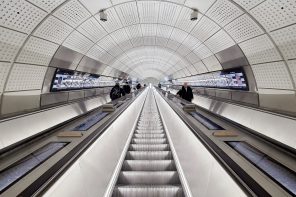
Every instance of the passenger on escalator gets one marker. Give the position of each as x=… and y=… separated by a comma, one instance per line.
x=127, y=88
x=116, y=92
x=159, y=85
x=185, y=92
x=138, y=86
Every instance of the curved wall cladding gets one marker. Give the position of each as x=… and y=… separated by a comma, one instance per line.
x=149, y=39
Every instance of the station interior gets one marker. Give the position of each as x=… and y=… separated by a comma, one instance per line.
x=62, y=134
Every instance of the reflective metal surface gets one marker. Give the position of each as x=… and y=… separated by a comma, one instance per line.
x=20, y=128
x=91, y=173
x=65, y=58
x=91, y=66
x=202, y=172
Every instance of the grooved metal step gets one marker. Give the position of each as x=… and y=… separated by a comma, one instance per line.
x=149, y=155
x=148, y=191
x=149, y=141
x=149, y=135
x=149, y=147
x=149, y=178
x=148, y=165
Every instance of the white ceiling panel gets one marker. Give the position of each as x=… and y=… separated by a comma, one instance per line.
x=192, y=70
x=149, y=29
x=212, y=63
x=37, y=51
x=272, y=75
x=110, y=46
x=99, y=54
x=219, y=41
x=292, y=67
x=78, y=42
x=47, y=5
x=148, y=41
x=25, y=77
x=159, y=41
x=54, y=30
x=286, y=40
x=203, y=51
x=248, y=4
x=178, y=35
x=183, y=21
x=72, y=13
x=205, y=29
x=113, y=23
x=164, y=31
x=223, y=12
x=174, y=45
x=128, y=13
x=260, y=50
x=20, y=15
x=4, y=70
x=148, y=11
x=274, y=14
x=168, y=13
x=192, y=58
x=243, y=28
x=134, y=31
x=191, y=42
x=10, y=43
x=200, y=67
x=201, y=5
x=137, y=41
x=94, y=7
x=92, y=29
x=119, y=36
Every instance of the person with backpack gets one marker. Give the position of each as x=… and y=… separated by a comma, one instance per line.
x=185, y=93
x=116, y=92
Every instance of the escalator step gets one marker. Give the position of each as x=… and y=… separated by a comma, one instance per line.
x=149, y=147
x=149, y=141
x=149, y=155
x=148, y=165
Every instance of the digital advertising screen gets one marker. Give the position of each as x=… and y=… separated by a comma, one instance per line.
x=73, y=80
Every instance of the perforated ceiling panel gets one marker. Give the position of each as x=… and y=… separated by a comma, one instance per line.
x=272, y=75
x=10, y=43
x=200, y=67
x=223, y=12
x=212, y=63
x=37, y=51
x=205, y=29
x=274, y=14
x=92, y=29
x=20, y=15
x=4, y=69
x=183, y=22
x=286, y=40
x=259, y=50
x=202, y=51
x=25, y=77
x=110, y=46
x=248, y=4
x=73, y=13
x=243, y=28
x=113, y=21
x=292, y=67
x=168, y=13
x=148, y=11
x=78, y=42
x=128, y=13
x=54, y=30
x=219, y=41
x=47, y=5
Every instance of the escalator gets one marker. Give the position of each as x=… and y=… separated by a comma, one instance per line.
x=149, y=168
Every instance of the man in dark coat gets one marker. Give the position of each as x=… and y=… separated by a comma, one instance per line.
x=185, y=92
x=127, y=88
x=116, y=92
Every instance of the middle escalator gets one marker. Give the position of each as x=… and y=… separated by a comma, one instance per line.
x=149, y=169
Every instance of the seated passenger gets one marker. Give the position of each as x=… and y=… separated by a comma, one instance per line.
x=116, y=92
x=185, y=93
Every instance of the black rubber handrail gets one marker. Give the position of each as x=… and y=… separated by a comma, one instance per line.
x=39, y=186
x=239, y=175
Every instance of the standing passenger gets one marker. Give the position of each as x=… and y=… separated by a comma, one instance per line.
x=127, y=88
x=185, y=92
x=116, y=92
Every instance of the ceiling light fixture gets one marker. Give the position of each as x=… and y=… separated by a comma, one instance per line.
x=194, y=15
x=103, y=16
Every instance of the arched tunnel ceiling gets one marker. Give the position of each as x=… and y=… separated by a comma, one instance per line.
x=149, y=35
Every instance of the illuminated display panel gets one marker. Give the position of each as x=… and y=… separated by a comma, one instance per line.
x=226, y=79
x=73, y=80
